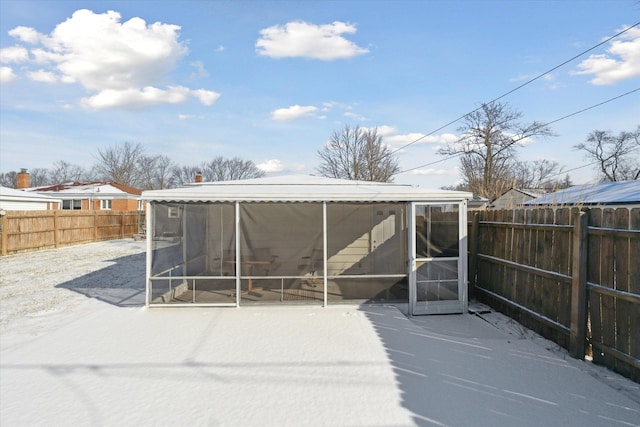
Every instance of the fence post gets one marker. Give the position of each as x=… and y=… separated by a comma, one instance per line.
x=473, y=254
x=122, y=225
x=95, y=226
x=5, y=234
x=56, y=229
x=577, y=339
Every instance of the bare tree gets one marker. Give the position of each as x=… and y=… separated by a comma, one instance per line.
x=119, y=163
x=357, y=154
x=155, y=172
x=184, y=174
x=617, y=156
x=472, y=169
x=487, y=146
x=66, y=172
x=38, y=177
x=221, y=169
x=537, y=174
x=9, y=179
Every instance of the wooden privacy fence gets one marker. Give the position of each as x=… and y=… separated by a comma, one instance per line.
x=34, y=230
x=572, y=275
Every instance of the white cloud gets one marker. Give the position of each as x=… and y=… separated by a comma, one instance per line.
x=549, y=80
x=520, y=78
x=293, y=112
x=355, y=116
x=302, y=39
x=386, y=130
x=26, y=34
x=273, y=165
x=207, y=97
x=136, y=98
x=200, y=70
x=13, y=54
x=101, y=53
x=431, y=171
x=7, y=75
x=121, y=63
x=189, y=117
x=43, y=76
x=621, y=62
x=327, y=106
x=392, y=139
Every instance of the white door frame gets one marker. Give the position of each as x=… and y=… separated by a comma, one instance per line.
x=438, y=307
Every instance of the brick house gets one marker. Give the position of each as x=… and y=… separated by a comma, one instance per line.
x=96, y=195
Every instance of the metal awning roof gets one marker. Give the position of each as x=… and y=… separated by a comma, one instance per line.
x=301, y=188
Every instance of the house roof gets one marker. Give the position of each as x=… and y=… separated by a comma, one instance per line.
x=524, y=191
x=295, y=188
x=623, y=192
x=85, y=189
x=23, y=196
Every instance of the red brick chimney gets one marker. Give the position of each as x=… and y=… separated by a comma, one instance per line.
x=23, y=179
x=199, y=177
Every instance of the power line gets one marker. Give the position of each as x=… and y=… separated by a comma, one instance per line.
x=564, y=172
x=518, y=87
x=594, y=106
x=523, y=137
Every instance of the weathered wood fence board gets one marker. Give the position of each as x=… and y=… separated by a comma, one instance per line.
x=34, y=230
x=524, y=266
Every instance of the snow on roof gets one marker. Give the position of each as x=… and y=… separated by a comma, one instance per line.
x=23, y=196
x=88, y=189
x=301, y=188
x=603, y=193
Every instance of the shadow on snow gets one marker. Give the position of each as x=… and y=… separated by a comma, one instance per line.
x=121, y=284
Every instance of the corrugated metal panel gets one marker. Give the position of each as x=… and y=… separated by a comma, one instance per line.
x=603, y=193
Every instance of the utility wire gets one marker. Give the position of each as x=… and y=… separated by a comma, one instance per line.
x=564, y=172
x=523, y=137
x=517, y=88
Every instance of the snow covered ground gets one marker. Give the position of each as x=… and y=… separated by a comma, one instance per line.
x=77, y=347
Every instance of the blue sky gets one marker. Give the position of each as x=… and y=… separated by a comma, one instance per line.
x=271, y=81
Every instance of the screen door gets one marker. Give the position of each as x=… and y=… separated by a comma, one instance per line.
x=438, y=264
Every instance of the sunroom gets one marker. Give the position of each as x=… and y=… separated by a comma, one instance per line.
x=307, y=240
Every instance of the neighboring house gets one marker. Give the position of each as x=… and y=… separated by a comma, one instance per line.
x=97, y=195
x=514, y=197
x=610, y=194
x=18, y=200
x=477, y=203
x=94, y=196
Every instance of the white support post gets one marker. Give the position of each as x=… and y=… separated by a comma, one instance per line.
x=324, y=252
x=463, y=272
x=237, y=264
x=149, y=235
x=185, y=243
x=411, y=261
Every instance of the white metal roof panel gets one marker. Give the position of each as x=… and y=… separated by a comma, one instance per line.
x=603, y=193
x=301, y=188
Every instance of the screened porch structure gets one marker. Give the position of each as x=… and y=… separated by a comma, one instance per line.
x=306, y=240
